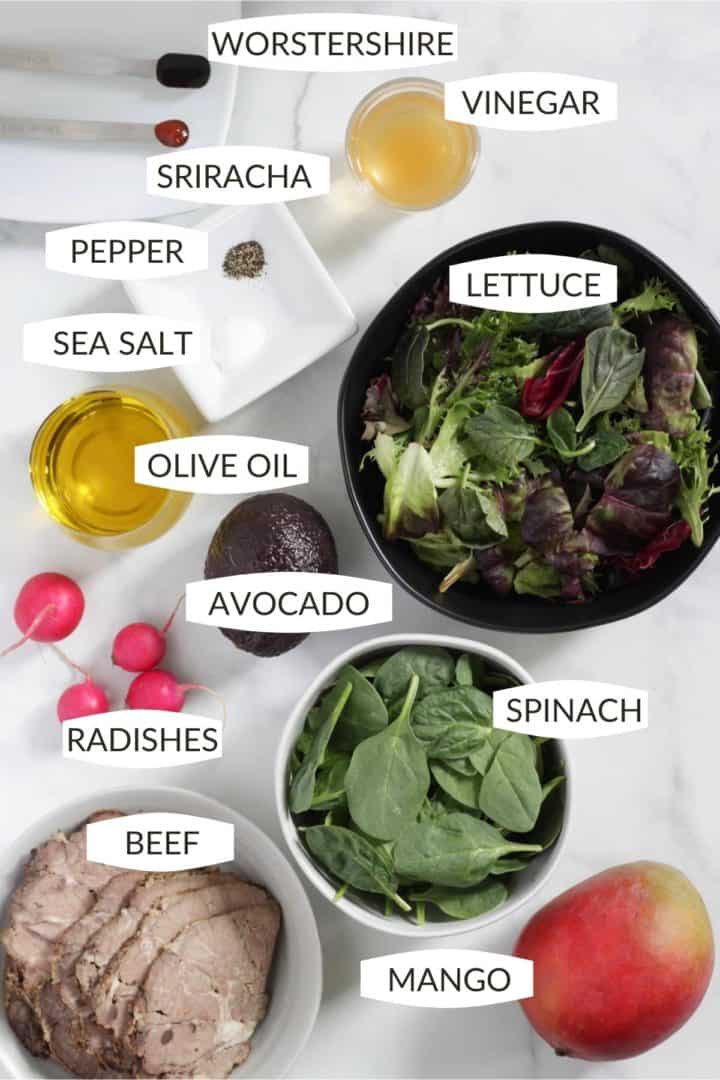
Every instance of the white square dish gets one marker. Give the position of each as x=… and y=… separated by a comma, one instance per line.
x=263, y=330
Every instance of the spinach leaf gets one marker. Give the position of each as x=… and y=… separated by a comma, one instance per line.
x=567, y=324
x=365, y=713
x=371, y=667
x=551, y=819
x=330, y=784
x=472, y=514
x=562, y=434
x=434, y=667
x=388, y=777
x=613, y=360
x=538, y=579
x=464, y=674
x=480, y=759
x=463, y=766
x=432, y=809
x=522, y=746
x=408, y=367
x=354, y=860
x=337, y=815
x=303, y=784
x=463, y=789
x=471, y=670
x=510, y=794
x=609, y=446
x=410, y=504
x=314, y=720
x=452, y=723
x=456, y=850
x=464, y=903
x=550, y=786
x=510, y=865
x=602, y=448
x=441, y=550
x=501, y=435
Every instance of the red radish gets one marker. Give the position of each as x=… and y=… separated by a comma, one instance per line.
x=140, y=646
x=82, y=699
x=159, y=689
x=48, y=608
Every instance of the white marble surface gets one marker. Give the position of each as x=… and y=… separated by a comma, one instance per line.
x=653, y=175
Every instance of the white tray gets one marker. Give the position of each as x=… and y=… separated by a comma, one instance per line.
x=263, y=330
x=64, y=182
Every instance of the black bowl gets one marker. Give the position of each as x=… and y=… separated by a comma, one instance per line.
x=476, y=604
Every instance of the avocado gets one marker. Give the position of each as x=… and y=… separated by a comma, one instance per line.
x=265, y=533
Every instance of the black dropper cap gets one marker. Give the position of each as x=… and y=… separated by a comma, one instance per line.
x=183, y=70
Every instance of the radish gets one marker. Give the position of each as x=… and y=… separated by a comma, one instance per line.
x=140, y=646
x=82, y=699
x=48, y=608
x=159, y=689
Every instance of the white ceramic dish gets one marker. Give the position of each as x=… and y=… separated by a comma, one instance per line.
x=64, y=182
x=296, y=979
x=524, y=885
x=263, y=330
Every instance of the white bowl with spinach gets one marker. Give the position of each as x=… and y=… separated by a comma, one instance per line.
x=400, y=801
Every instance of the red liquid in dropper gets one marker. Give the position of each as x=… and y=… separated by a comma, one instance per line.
x=172, y=132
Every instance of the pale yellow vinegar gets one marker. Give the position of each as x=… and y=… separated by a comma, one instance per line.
x=403, y=146
x=82, y=461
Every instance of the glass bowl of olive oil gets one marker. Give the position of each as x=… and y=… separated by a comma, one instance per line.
x=400, y=144
x=82, y=466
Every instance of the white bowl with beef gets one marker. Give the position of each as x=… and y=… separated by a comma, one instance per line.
x=133, y=954
x=370, y=910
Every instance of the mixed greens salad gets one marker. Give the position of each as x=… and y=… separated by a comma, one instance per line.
x=403, y=791
x=556, y=455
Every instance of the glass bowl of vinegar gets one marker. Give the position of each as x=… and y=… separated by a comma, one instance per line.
x=82, y=466
x=401, y=146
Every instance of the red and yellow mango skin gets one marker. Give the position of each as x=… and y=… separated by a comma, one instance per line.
x=622, y=960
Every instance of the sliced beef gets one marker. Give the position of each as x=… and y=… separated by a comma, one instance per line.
x=21, y=1014
x=154, y=890
x=73, y=1038
x=113, y=898
x=58, y=887
x=115, y=973
x=113, y=995
x=74, y=1041
x=205, y=994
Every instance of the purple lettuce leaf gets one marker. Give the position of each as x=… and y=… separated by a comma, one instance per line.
x=671, y=356
x=637, y=502
x=380, y=412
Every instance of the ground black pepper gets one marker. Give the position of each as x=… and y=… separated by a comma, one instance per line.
x=246, y=260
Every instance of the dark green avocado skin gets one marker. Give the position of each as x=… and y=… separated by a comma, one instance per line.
x=265, y=533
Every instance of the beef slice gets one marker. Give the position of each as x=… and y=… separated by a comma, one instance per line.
x=205, y=994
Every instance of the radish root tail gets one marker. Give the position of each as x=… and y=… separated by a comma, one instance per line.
x=71, y=663
x=173, y=613
x=196, y=686
x=27, y=636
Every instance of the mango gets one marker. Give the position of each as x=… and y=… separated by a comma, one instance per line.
x=621, y=961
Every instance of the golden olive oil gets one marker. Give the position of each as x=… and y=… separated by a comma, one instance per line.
x=401, y=144
x=82, y=462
